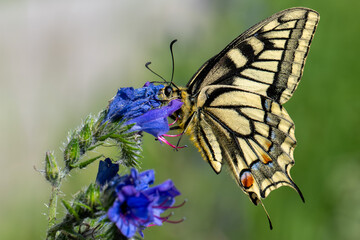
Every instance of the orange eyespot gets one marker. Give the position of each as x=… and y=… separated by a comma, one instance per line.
x=247, y=180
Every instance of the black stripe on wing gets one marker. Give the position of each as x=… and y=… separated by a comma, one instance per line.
x=265, y=148
x=271, y=53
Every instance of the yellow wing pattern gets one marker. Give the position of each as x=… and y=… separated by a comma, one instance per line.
x=235, y=102
x=255, y=138
x=267, y=59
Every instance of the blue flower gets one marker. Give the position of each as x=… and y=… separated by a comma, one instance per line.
x=137, y=205
x=107, y=171
x=140, y=181
x=164, y=198
x=131, y=211
x=130, y=103
x=155, y=121
x=141, y=107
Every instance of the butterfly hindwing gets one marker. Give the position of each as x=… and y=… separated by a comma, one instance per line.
x=268, y=58
x=252, y=134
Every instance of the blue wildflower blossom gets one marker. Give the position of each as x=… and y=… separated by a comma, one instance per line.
x=107, y=171
x=164, y=198
x=155, y=121
x=141, y=107
x=137, y=205
x=131, y=211
x=142, y=180
x=130, y=103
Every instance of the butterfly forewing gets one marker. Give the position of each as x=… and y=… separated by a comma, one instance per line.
x=267, y=59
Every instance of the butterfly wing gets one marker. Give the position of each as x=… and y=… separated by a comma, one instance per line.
x=239, y=119
x=268, y=58
x=252, y=134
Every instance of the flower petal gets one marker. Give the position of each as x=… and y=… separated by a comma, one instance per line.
x=136, y=205
x=155, y=121
x=107, y=171
x=145, y=179
x=130, y=103
x=164, y=193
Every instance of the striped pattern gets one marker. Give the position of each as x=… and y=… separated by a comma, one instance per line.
x=252, y=134
x=268, y=58
x=233, y=105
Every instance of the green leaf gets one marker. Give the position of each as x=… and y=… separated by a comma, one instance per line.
x=70, y=209
x=87, y=162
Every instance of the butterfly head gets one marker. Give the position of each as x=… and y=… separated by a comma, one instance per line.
x=169, y=93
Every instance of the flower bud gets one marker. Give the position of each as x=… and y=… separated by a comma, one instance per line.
x=51, y=169
x=85, y=135
x=72, y=152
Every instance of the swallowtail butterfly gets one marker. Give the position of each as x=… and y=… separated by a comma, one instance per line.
x=233, y=104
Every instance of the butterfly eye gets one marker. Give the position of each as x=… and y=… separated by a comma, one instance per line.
x=168, y=91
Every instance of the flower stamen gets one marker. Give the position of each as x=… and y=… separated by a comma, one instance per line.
x=166, y=219
x=174, y=121
x=180, y=205
x=175, y=222
x=171, y=135
x=162, y=139
x=161, y=206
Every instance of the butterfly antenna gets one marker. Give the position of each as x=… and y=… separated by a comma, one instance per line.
x=147, y=66
x=267, y=214
x=173, y=63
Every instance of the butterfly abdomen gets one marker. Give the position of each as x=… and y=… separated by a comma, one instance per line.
x=188, y=120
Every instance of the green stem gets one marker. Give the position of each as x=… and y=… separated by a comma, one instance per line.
x=52, y=209
x=53, y=204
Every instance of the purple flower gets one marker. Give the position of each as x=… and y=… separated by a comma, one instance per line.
x=140, y=181
x=142, y=107
x=137, y=205
x=164, y=198
x=131, y=211
x=155, y=121
x=130, y=103
x=107, y=171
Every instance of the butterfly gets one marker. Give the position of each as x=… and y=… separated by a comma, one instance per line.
x=233, y=104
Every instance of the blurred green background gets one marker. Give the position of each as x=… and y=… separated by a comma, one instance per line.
x=61, y=60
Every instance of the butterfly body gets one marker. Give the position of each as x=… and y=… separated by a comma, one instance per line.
x=233, y=105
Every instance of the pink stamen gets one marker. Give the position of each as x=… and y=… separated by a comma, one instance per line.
x=162, y=139
x=164, y=202
x=170, y=135
x=177, y=206
x=180, y=205
x=166, y=217
x=174, y=122
x=178, y=221
x=163, y=219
